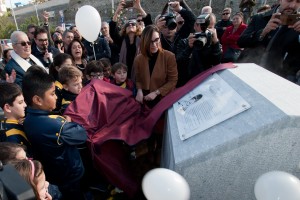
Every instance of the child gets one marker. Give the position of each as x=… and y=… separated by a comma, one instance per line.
x=32, y=172
x=94, y=70
x=106, y=68
x=59, y=60
x=13, y=105
x=71, y=79
x=119, y=72
x=54, y=138
x=11, y=151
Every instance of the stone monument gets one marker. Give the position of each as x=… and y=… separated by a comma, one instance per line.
x=224, y=161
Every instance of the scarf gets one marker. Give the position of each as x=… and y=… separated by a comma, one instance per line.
x=24, y=64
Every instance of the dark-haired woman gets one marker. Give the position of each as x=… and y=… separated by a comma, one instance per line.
x=78, y=52
x=155, y=69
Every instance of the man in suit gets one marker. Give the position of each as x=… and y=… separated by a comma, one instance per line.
x=43, y=50
x=21, y=57
x=272, y=43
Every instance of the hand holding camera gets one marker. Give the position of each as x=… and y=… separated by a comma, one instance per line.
x=273, y=24
x=175, y=5
x=191, y=39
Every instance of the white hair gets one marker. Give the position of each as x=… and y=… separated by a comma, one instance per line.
x=15, y=35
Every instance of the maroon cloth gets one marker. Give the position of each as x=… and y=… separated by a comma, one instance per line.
x=111, y=116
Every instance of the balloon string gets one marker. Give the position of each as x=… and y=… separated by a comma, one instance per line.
x=94, y=51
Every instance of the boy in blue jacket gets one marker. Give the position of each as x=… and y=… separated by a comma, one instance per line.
x=13, y=105
x=54, y=138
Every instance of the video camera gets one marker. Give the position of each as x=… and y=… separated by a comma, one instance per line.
x=13, y=186
x=203, y=38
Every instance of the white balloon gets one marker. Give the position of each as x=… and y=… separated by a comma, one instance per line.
x=277, y=185
x=165, y=184
x=88, y=22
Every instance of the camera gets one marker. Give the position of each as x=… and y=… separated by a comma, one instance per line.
x=13, y=186
x=289, y=19
x=170, y=20
x=204, y=21
x=128, y=4
x=203, y=38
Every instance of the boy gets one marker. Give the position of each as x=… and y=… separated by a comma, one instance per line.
x=71, y=79
x=94, y=70
x=119, y=72
x=106, y=69
x=13, y=105
x=54, y=138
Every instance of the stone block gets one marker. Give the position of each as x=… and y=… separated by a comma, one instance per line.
x=224, y=161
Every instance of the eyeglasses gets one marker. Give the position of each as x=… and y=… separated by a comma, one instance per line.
x=24, y=43
x=180, y=22
x=98, y=75
x=42, y=40
x=156, y=41
x=139, y=20
x=225, y=13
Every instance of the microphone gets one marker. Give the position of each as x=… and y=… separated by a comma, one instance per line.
x=49, y=60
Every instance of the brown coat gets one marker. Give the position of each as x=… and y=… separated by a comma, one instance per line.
x=164, y=76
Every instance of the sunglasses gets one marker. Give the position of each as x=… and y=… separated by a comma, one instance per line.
x=131, y=23
x=139, y=20
x=180, y=22
x=225, y=13
x=24, y=43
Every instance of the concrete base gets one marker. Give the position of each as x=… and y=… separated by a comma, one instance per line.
x=224, y=161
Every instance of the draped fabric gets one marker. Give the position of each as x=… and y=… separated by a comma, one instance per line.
x=111, y=116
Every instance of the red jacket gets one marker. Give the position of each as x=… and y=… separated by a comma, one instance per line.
x=230, y=39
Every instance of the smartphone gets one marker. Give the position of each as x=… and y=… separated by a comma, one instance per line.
x=128, y=4
x=290, y=19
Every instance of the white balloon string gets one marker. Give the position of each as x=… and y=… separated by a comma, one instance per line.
x=94, y=50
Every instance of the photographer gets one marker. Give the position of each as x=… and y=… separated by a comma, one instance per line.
x=272, y=42
x=201, y=50
x=168, y=28
x=128, y=39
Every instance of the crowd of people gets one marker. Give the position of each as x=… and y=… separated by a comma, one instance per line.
x=43, y=73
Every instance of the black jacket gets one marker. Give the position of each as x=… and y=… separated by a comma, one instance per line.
x=278, y=51
x=186, y=29
x=40, y=55
x=197, y=59
x=219, y=27
x=101, y=47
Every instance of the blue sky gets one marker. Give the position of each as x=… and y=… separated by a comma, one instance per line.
x=7, y=2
